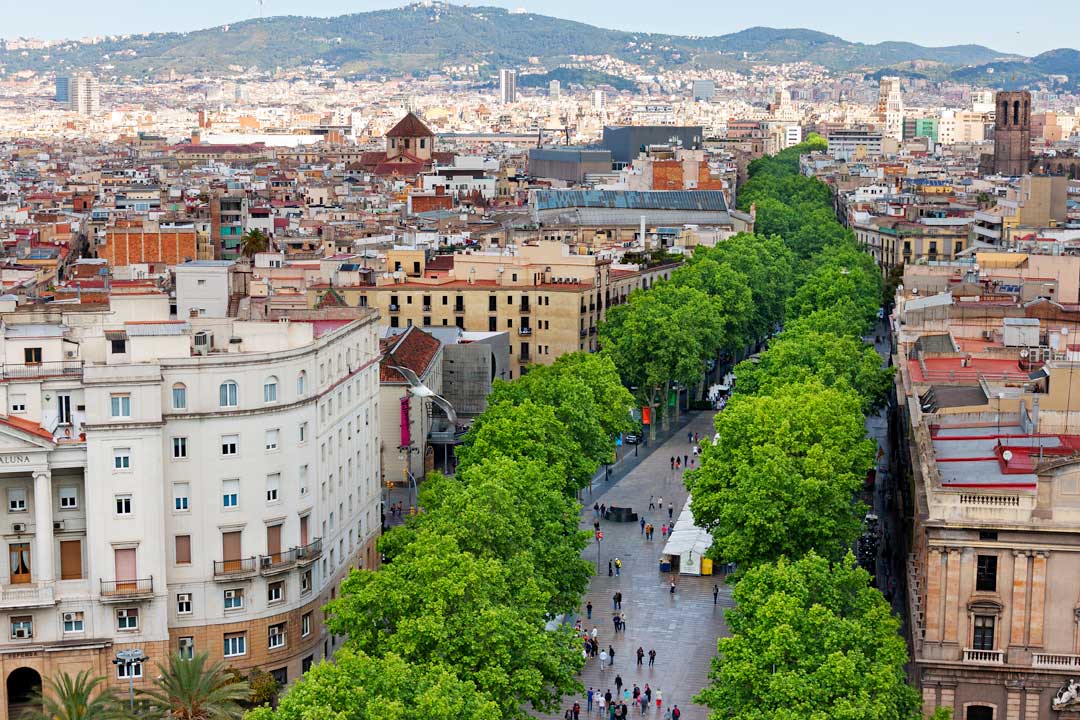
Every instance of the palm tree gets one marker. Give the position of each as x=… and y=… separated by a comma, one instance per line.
x=190, y=689
x=80, y=698
x=254, y=241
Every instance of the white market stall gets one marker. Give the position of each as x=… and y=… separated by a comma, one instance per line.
x=687, y=544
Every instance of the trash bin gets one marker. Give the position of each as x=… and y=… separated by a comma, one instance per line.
x=706, y=566
x=665, y=566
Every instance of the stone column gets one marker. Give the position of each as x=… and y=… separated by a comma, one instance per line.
x=1019, y=598
x=1031, y=706
x=948, y=698
x=41, y=567
x=952, y=597
x=929, y=700
x=1038, y=597
x=1012, y=705
x=933, y=595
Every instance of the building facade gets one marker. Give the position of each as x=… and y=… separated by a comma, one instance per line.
x=1012, y=133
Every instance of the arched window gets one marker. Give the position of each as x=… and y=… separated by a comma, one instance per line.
x=179, y=396
x=301, y=383
x=227, y=394
x=270, y=390
x=1016, y=112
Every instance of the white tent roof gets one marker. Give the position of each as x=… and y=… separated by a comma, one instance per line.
x=687, y=536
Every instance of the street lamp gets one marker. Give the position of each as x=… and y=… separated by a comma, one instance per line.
x=129, y=659
x=405, y=454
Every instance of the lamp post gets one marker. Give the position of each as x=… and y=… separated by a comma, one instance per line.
x=129, y=659
x=599, y=537
x=405, y=455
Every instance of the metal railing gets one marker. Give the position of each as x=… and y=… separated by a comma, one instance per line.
x=235, y=567
x=44, y=369
x=278, y=561
x=525, y=331
x=127, y=588
x=309, y=552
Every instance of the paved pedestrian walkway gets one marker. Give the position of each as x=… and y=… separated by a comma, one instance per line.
x=682, y=628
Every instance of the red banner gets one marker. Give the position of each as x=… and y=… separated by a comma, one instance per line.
x=406, y=437
x=646, y=416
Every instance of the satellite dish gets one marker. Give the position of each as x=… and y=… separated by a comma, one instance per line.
x=1064, y=331
x=1007, y=455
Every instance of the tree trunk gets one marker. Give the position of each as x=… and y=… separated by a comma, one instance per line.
x=652, y=420
x=666, y=421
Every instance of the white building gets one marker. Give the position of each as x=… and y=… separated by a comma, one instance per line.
x=83, y=94
x=182, y=486
x=203, y=288
x=507, y=86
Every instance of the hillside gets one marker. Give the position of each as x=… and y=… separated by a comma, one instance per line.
x=425, y=38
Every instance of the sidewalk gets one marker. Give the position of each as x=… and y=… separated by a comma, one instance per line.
x=682, y=628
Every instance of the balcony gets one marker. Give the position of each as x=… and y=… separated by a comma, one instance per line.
x=307, y=554
x=459, y=308
x=984, y=657
x=427, y=307
x=119, y=590
x=394, y=307
x=26, y=596
x=60, y=368
x=525, y=331
x=592, y=330
x=231, y=569
x=524, y=308
x=1055, y=662
x=278, y=562
x=524, y=357
x=584, y=332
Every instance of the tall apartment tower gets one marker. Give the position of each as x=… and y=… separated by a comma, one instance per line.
x=83, y=94
x=63, y=89
x=507, y=86
x=1012, y=133
x=891, y=108
x=554, y=89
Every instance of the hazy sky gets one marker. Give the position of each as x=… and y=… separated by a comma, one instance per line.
x=1029, y=27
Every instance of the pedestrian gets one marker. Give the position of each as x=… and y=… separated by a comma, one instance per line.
x=697, y=438
x=625, y=697
x=611, y=654
x=667, y=715
x=648, y=531
x=594, y=632
x=618, y=567
x=603, y=510
x=660, y=503
x=651, y=503
x=596, y=526
x=642, y=524
x=715, y=592
x=622, y=621
x=676, y=713
x=677, y=463
x=689, y=437
x=640, y=656
x=648, y=693
x=607, y=696
x=596, y=510
x=577, y=711
x=610, y=572
x=618, y=683
x=604, y=659
x=663, y=530
x=615, y=622
x=652, y=661
x=659, y=697
x=618, y=564
x=684, y=461
x=670, y=511
x=672, y=591
x=644, y=704
x=600, y=704
x=568, y=715
x=672, y=462
x=615, y=601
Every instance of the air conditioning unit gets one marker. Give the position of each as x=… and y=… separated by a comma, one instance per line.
x=58, y=525
x=69, y=617
x=267, y=561
x=204, y=341
x=18, y=527
x=21, y=634
x=71, y=354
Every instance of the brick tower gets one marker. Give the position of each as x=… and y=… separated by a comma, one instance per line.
x=1012, y=133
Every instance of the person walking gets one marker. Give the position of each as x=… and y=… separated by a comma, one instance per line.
x=652, y=661
x=715, y=592
x=588, y=610
x=648, y=693
x=622, y=622
x=611, y=653
x=615, y=622
x=644, y=704
x=618, y=566
x=615, y=601
x=604, y=659
x=685, y=460
x=689, y=438
x=642, y=524
x=600, y=704
x=652, y=504
x=640, y=656
x=596, y=511
x=659, y=697
x=660, y=503
x=594, y=633
x=672, y=591
x=676, y=713
x=577, y=711
x=648, y=531
x=663, y=530
x=670, y=511
x=618, y=684
x=677, y=466
x=672, y=462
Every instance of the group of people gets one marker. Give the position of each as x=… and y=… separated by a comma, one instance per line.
x=648, y=530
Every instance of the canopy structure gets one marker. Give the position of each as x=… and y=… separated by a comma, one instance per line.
x=687, y=543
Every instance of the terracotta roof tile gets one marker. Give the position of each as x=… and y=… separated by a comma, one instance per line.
x=410, y=126
x=414, y=349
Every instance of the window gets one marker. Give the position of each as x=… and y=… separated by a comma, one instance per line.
x=230, y=493
x=18, y=403
x=183, y=549
x=121, y=458
x=227, y=394
x=234, y=599
x=305, y=624
x=273, y=485
x=306, y=663
x=281, y=676
x=73, y=622
x=270, y=390
x=32, y=355
x=122, y=670
x=230, y=444
x=16, y=499
x=183, y=603
x=120, y=406
x=179, y=448
x=123, y=504
x=180, y=492
x=301, y=384
x=179, y=396
x=303, y=433
x=305, y=581
x=272, y=439
x=983, y=638
x=118, y=346
x=127, y=619
x=277, y=636
x=986, y=573
x=22, y=627
x=235, y=644
x=186, y=647
x=275, y=592
x=69, y=498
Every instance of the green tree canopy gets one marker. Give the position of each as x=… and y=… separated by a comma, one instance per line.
x=767, y=265
x=810, y=640
x=356, y=686
x=731, y=295
x=782, y=476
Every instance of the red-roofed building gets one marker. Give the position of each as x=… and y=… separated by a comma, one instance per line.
x=410, y=150
x=404, y=421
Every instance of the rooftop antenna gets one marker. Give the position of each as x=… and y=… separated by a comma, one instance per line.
x=260, y=2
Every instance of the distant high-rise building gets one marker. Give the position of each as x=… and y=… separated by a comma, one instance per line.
x=63, y=89
x=554, y=89
x=982, y=101
x=507, y=86
x=891, y=108
x=599, y=100
x=1012, y=133
x=83, y=94
x=703, y=90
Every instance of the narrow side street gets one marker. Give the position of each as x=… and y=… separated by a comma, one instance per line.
x=683, y=628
